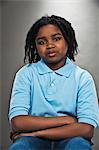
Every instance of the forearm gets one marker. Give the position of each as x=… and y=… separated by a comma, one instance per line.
x=67, y=131
x=35, y=123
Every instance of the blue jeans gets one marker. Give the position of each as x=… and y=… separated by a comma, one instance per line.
x=34, y=143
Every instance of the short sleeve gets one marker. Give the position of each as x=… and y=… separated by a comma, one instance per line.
x=20, y=96
x=87, y=105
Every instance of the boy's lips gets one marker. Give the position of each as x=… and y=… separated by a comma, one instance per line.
x=51, y=53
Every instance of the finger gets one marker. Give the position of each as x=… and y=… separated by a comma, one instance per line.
x=16, y=137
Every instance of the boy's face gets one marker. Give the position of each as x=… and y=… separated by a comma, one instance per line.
x=51, y=46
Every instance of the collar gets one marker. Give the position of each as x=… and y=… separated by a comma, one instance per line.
x=64, y=71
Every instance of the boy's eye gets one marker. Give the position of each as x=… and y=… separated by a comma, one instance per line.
x=57, y=38
x=41, y=42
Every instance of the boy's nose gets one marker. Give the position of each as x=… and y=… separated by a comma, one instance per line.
x=50, y=45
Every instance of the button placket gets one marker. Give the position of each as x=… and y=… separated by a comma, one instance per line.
x=52, y=88
x=52, y=79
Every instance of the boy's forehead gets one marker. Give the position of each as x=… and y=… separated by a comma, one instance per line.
x=48, y=29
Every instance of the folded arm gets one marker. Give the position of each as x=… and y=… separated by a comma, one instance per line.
x=67, y=131
x=35, y=123
x=50, y=127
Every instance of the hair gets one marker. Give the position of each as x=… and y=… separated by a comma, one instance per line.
x=68, y=32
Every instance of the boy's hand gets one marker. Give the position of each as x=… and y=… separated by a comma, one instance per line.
x=70, y=119
x=14, y=136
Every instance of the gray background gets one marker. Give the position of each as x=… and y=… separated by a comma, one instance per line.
x=16, y=17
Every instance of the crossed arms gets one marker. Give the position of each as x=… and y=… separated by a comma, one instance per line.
x=55, y=128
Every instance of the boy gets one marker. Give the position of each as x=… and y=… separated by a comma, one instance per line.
x=53, y=103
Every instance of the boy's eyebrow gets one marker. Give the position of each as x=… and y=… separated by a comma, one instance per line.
x=56, y=34
x=43, y=37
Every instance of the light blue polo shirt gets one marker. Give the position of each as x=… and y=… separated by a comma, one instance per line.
x=40, y=91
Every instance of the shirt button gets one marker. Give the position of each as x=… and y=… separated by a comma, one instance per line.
x=53, y=73
x=52, y=84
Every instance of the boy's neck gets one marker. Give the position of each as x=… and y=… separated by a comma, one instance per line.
x=56, y=66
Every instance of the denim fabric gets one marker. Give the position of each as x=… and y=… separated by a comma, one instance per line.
x=34, y=143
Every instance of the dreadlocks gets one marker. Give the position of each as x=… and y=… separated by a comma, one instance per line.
x=68, y=32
